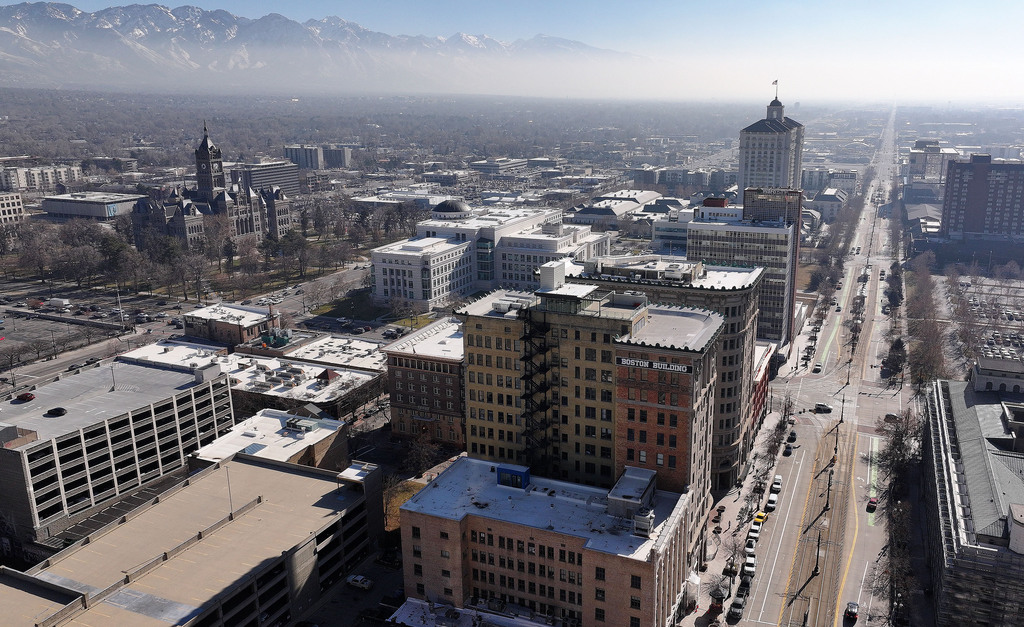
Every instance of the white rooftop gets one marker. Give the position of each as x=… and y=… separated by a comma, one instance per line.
x=468, y=487
x=235, y=314
x=485, y=306
x=286, y=378
x=342, y=351
x=417, y=613
x=627, y=268
x=439, y=339
x=265, y=435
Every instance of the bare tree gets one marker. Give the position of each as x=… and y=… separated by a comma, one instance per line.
x=390, y=490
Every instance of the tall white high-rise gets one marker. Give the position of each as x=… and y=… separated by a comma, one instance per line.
x=771, y=151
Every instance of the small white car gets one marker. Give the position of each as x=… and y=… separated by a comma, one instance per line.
x=773, y=501
x=359, y=581
x=777, y=484
x=750, y=565
x=750, y=547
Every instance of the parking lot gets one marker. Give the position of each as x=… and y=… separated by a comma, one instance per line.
x=38, y=327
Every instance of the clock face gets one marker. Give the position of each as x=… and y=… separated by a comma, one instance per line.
x=202, y=166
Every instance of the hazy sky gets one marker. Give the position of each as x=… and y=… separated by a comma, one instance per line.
x=909, y=49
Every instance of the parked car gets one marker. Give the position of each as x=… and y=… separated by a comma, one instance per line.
x=25, y=397
x=760, y=517
x=356, y=331
x=737, y=607
x=773, y=502
x=817, y=368
x=792, y=436
x=161, y=303
x=777, y=484
x=74, y=367
x=359, y=581
x=786, y=452
x=92, y=360
x=750, y=565
x=57, y=411
x=162, y=314
x=822, y=408
x=872, y=503
x=750, y=547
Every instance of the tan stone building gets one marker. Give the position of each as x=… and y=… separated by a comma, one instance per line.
x=542, y=377
x=731, y=291
x=485, y=534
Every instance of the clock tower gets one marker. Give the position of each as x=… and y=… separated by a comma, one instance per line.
x=209, y=167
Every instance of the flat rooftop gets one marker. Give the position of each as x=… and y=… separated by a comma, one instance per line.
x=94, y=197
x=27, y=601
x=441, y=339
x=485, y=305
x=659, y=269
x=94, y=394
x=417, y=613
x=468, y=487
x=677, y=327
x=265, y=435
x=297, y=502
x=342, y=351
x=234, y=314
x=286, y=378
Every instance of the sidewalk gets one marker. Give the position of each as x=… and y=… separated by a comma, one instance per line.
x=733, y=530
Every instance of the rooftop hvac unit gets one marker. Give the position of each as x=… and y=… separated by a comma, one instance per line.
x=501, y=306
x=643, y=522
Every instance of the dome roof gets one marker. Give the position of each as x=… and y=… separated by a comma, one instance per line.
x=452, y=206
x=774, y=103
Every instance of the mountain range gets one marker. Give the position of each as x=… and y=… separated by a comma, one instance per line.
x=152, y=47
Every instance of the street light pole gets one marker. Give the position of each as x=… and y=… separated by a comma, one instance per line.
x=828, y=493
x=817, y=557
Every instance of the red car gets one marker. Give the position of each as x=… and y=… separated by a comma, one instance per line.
x=25, y=397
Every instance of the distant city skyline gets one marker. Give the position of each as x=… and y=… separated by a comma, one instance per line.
x=908, y=51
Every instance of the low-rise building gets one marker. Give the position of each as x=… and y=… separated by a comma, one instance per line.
x=490, y=533
x=242, y=542
x=230, y=324
x=277, y=382
x=307, y=438
x=99, y=206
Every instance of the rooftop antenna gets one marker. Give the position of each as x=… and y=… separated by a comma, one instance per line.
x=775, y=82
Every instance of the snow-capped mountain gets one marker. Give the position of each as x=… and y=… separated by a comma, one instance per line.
x=188, y=48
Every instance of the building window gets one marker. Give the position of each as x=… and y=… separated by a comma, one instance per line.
x=445, y=554
x=446, y=573
x=417, y=569
x=416, y=532
x=599, y=573
x=599, y=614
x=634, y=581
x=634, y=603
x=421, y=590
x=634, y=621
x=444, y=535
x=599, y=594
x=448, y=592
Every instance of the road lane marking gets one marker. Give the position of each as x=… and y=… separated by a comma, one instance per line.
x=853, y=545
